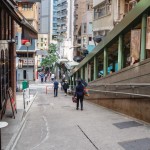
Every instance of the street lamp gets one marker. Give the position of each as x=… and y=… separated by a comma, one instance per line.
x=27, y=44
x=20, y=65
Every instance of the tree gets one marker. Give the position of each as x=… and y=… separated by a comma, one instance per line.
x=51, y=58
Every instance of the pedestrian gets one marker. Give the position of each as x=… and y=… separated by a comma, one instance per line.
x=65, y=87
x=62, y=84
x=42, y=76
x=56, y=84
x=52, y=77
x=46, y=75
x=63, y=76
x=79, y=93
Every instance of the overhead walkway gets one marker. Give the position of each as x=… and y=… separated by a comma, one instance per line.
x=126, y=51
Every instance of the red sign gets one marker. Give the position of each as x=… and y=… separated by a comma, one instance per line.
x=23, y=41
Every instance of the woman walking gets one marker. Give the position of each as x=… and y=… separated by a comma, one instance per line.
x=79, y=94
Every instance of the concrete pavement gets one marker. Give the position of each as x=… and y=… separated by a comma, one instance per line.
x=10, y=133
x=53, y=123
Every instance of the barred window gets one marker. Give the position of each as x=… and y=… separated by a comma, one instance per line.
x=27, y=6
x=102, y=10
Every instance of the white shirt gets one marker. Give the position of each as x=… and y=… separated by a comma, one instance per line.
x=52, y=76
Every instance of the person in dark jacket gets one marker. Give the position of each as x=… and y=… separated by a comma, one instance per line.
x=80, y=94
x=56, y=88
x=65, y=87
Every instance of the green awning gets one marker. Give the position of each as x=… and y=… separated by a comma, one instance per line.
x=71, y=64
x=63, y=60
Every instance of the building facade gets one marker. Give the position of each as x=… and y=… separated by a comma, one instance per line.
x=42, y=43
x=65, y=28
x=27, y=53
x=108, y=13
x=7, y=48
x=81, y=21
x=87, y=43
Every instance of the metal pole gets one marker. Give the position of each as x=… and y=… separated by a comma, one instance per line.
x=120, y=51
x=24, y=99
x=27, y=64
x=105, y=62
x=143, y=37
x=95, y=68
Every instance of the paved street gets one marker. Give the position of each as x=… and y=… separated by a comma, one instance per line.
x=54, y=124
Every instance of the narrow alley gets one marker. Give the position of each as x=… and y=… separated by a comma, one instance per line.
x=53, y=123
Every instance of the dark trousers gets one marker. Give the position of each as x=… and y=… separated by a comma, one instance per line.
x=65, y=91
x=80, y=98
x=55, y=91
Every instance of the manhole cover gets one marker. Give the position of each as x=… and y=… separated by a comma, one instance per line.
x=139, y=144
x=127, y=124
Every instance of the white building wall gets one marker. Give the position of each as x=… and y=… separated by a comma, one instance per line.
x=66, y=47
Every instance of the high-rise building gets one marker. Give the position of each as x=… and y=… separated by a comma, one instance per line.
x=65, y=28
x=48, y=19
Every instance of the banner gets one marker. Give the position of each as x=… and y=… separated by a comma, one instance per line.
x=135, y=44
x=148, y=34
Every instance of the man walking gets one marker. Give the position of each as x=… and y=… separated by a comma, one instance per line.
x=65, y=87
x=56, y=88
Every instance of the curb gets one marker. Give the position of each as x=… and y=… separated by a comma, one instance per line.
x=11, y=145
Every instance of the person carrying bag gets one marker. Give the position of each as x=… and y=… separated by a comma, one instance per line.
x=79, y=93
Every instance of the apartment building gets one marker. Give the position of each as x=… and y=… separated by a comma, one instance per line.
x=65, y=28
x=108, y=13
x=81, y=7
x=42, y=42
x=87, y=43
x=27, y=54
x=48, y=19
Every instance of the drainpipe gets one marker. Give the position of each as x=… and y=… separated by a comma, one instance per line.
x=95, y=68
x=82, y=73
x=143, y=37
x=87, y=70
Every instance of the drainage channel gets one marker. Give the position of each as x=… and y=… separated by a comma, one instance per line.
x=88, y=138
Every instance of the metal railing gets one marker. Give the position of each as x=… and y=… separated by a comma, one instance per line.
x=28, y=94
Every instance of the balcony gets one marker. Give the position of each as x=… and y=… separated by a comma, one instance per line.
x=31, y=61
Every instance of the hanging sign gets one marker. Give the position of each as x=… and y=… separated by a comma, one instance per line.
x=135, y=43
x=148, y=34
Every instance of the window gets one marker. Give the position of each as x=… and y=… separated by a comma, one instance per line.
x=84, y=28
x=102, y=10
x=41, y=39
x=90, y=38
x=41, y=44
x=27, y=6
x=130, y=5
